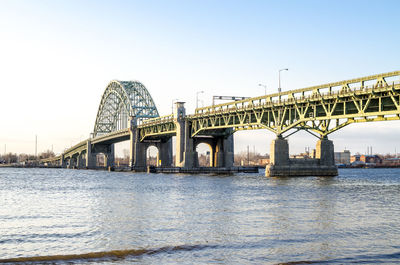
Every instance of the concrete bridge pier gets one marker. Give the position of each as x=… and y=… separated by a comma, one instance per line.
x=138, y=156
x=325, y=152
x=282, y=166
x=93, y=150
x=110, y=156
x=72, y=162
x=185, y=155
x=63, y=163
x=137, y=152
x=165, y=153
x=81, y=160
x=90, y=156
x=224, y=152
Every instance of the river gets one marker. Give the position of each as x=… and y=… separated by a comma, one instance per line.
x=98, y=217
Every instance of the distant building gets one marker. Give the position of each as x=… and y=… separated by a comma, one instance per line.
x=355, y=158
x=366, y=159
x=342, y=157
x=263, y=161
x=391, y=161
x=371, y=159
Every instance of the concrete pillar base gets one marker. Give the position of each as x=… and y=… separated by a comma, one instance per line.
x=301, y=169
x=165, y=153
x=283, y=166
x=189, y=159
x=223, y=155
x=91, y=162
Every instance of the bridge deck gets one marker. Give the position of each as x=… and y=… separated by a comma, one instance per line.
x=320, y=109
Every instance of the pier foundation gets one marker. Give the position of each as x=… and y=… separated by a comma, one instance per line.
x=283, y=166
x=138, y=149
x=221, y=144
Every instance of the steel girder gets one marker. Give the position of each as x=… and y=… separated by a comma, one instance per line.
x=114, y=136
x=121, y=100
x=162, y=126
x=76, y=149
x=319, y=109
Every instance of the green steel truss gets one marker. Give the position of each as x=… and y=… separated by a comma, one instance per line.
x=161, y=126
x=120, y=100
x=320, y=109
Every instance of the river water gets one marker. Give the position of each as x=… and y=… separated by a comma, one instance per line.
x=96, y=217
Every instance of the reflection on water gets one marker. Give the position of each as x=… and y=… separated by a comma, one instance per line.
x=155, y=218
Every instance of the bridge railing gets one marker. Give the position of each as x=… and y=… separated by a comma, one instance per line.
x=158, y=120
x=365, y=84
x=110, y=134
x=50, y=159
x=67, y=150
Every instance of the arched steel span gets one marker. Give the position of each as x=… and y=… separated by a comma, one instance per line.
x=120, y=100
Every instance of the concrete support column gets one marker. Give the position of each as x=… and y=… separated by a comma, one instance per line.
x=224, y=155
x=63, y=163
x=137, y=154
x=71, y=163
x=195, y=157
x=219, y=153
x=80, y=161
x=179, y=115
x=165, y=153
x=279, y=153
x=132, y=140
x=212, y=155
x=281, y=166
x=110, y=156
x=325, y=152
x=90, y=157
x=229, y=151
x=190, y=159
x=140, y=155
x=137, y=150
x=186, y=156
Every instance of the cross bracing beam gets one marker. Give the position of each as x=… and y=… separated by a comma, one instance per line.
x=321, y=109
x=161, y=126
x=120, y=101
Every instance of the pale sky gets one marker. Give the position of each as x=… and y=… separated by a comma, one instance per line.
x=57, y=57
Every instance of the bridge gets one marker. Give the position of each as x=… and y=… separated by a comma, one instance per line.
x=127, y=112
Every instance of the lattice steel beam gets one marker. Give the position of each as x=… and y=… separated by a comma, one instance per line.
x=322, y=109
x=121, y=100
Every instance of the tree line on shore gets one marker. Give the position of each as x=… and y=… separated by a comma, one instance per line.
x=12, y=158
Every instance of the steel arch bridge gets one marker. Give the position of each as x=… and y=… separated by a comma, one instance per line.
x=120, y=101
x=319, y=110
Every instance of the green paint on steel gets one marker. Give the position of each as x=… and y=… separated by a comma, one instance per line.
x=121, y=100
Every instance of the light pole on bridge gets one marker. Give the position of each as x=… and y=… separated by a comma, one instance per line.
x=265, y=88
x=285, y=69
x=197, y=98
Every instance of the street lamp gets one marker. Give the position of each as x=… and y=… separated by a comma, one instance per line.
x=197, y=98
x=265, y=88
x=285, y=69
